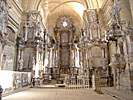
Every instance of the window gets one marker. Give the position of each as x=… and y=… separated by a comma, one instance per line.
x=64, y=24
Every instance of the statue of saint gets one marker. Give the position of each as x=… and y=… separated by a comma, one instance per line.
x=3, y=62
x=21, y=64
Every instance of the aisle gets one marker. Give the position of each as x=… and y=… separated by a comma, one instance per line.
x=57, y=94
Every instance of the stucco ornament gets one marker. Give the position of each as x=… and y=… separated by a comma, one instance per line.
x=118, y=61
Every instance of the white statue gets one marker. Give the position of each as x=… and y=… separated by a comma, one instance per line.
x=21, y=63
x=3, y=62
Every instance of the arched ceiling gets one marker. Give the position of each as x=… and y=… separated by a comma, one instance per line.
x=49, y=6
x=34, y=4
x=52, y=9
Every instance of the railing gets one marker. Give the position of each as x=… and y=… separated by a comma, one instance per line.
x=77, y=83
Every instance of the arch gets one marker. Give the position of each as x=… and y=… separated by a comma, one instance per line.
x=61, y=5
x=84, y=2
x=66, y=13
x=88, y=4
x=52, y=23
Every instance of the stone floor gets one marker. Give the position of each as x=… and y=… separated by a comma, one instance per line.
x=57, y=94
x=122, y=95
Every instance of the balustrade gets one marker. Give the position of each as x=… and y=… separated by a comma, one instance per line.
x=77, y=82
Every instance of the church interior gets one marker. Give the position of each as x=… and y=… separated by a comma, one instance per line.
x=72, y=44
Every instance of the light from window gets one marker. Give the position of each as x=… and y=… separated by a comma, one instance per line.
x=64, y=24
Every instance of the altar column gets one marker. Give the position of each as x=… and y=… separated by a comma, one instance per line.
x=53, y=57
x=50, y=58
x=70, y=64
x=90, y=58
x=74, y=57
x=57, y=57
x=37, y=62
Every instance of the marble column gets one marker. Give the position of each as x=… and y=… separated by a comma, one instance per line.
x=98, y=31
x=83, y=54
x=46, y=60
x=53, y=57
x=87, y=52
x=82, y=59
x=70, y=57
x=90, y=28
x=103, y=57
x=74, y=57
x=58, y=56
x=50, y=65
x=48, y=57
x=1, y=56
x=90, y=58
x=125, y=12
x=20, y=59
x=78, y=57
x=131, y=7
x=80, y=63
x=37, y=63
